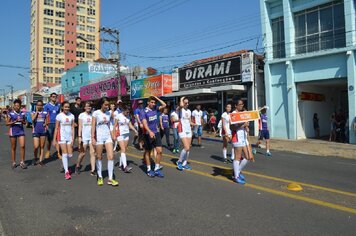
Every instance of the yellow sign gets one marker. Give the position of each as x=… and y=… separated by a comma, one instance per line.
x=240, y=117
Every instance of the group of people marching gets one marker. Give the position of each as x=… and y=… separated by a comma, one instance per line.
x=107, y=126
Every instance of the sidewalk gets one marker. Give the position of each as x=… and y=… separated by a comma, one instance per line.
x=307, y=146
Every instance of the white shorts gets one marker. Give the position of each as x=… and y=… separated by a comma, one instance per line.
x=86, y=142
x=68, y=142
x=124, y=137
x=185, y=134
x=103, y=140
x=241, y=139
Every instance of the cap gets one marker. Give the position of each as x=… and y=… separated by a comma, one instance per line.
x=119, y=101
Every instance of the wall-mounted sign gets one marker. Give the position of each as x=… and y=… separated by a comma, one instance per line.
x=247, y=68
x=245, y=116
x=153, y=86
x=101, y=68
x=211, y=73
x=303, y=96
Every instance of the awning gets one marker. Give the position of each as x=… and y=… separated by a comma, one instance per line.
x=229, y=88
x=190, y=92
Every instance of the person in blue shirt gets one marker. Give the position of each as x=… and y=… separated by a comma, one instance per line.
x=52, y=108
x=164, y=124
x=138, y=119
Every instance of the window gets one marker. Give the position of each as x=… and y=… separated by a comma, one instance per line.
x=47, y=79
x=90, y=46
x=57, y=80
x=58, y=70
x=47, y=69
x=81, y=1
x=278, y=38
x=59, y=42
x=59, y=51
x=47, y=21
x=80, y=10
x=47, y=31
x=60, y=23
x=91, y=12
x=81, y=45
x=320, y=28
x=47, y=40
x=81, y=27
x=48, y=2
x=91, y=38
x=60, y=4
x=90, y=55
x=47, y=50
x=59, y=32
x=80, y=19
x=60, y=14
x=80, y=54
x=59, y=61
x=81, y=35
x=48, y=60
x=48, y=12
x=91, y=20
x=91, y=29
x=91, y=3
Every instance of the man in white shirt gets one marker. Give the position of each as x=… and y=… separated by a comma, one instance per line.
x=197, y=119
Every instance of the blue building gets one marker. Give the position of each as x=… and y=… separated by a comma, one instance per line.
x=81, y=75
x=310, y=65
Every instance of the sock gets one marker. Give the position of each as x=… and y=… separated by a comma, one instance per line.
x=65, y=162
x=267, y=150
x=242, y=165
x=182, y=155
x=156, y=167
x=186, y=156
x=184, y=163
x=232, y=154
x=99, y=166
x=120, y=164
x=123, y=161
x=224, y=153
x=148, y=168
x=236, y=168
x=111, y=169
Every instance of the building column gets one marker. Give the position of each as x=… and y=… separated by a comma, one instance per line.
x=269, y=98
x=266, y=31
x=351, y=86
x=349, y=9
x=289, y=28
x=292, y=101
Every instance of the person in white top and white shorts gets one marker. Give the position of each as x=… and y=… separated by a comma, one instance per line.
x=226, y=132
x=122, y=126
x=100, y=136
x=64, y=136
x=84, y=138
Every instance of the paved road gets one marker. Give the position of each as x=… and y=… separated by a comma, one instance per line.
x=38, y=201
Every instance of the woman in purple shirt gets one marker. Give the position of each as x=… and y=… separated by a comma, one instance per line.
x=39, y=132
x=16, y=119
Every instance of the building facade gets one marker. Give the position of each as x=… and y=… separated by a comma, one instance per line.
x=310, y=65
x=64, y=33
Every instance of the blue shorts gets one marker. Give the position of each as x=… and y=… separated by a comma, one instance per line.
x=17, y=135
x=198, y=130
x=263, y=134
x=38, y=135
x=50, y=131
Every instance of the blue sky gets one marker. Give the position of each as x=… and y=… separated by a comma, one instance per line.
x=149, y=28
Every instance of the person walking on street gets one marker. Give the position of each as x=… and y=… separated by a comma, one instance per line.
x=185, y=133
x=84, y=139
x=39, y=132
x=137, y=114
x=263, y=132
x=16, y=119
x=64, y=136
x=316, y=125
x=164, y=125
x=52, y=108
x=198, y=120
x=212, y=122
x=175, y=122
x=76, y=110
x=332, y=136
x=101, y=136
x=152, y=137
x=226, y=132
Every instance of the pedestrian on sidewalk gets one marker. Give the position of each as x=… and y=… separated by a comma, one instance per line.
x=53, y=109
x=76, y=110
x=185, y=133
x=16, y=119
x=197, y=119
x=212, y=123
x=64, y=136
x=39, y=132
x=84, y=139
x=164, y=126
x=332, y=136
x=175, y=122
x=226, y=133
x=263, y=131
x=316, y=125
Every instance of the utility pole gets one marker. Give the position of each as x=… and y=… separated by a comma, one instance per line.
x=115, y=34
x=12, y=92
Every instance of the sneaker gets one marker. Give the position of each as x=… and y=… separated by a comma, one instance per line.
x=100, y=181
x=151, y=173
x=92, y=173
x=269, y=154
x=13, y=166
x=174, y=151
x=241, y=176
x=179, y=165
x=187, y=167
x=113, y=182
x=48, y=154
x=41, y=163
x=254, y=151
x=201, y=146
x=35, y=161
x=67, y=176
x=23, y=165
x=239, y=181
x=128, y=169
x=225, y=161
x=231, y=160
x=159, y=174
x=77, y=170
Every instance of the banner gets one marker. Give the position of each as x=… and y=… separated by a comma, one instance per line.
x=241, y=117
x=153, y=86
x=247, y=69
x=107, y=88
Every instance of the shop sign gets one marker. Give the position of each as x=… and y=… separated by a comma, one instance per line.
x=303, y=96
x=244, y=116
x=247, y=68
x=212, y=73
x=101, y=68
x=153, y=86
x=71, y=96
x=107, y=88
